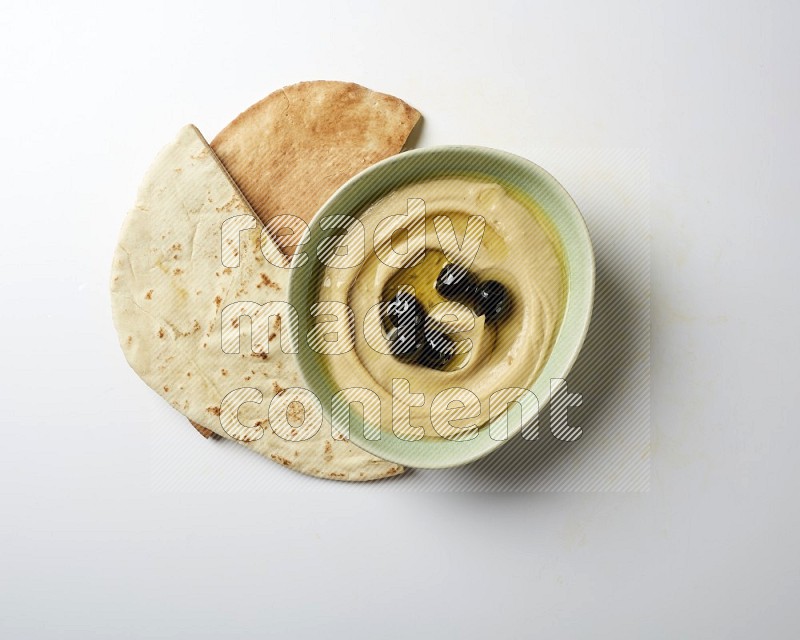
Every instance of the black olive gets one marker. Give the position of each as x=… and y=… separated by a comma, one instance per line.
x=438, y=351
x=404, y=308
x=493, y=300
x=456, y=283
x=408, y=343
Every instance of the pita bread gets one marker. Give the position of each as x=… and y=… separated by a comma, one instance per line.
x=291, y=151
x=170, y=291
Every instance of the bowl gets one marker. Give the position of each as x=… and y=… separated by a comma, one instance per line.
x=521, y=177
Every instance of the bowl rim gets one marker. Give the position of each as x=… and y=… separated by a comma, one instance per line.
x=580, y=332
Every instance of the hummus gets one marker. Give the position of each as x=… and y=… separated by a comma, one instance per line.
x=516, y=248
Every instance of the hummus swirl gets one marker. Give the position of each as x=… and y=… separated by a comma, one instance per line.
x=516, y=249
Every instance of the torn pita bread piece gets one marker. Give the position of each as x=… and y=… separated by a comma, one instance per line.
x=170, y=291
x=289, y=152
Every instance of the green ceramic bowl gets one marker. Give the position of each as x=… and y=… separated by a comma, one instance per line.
x=522, y=178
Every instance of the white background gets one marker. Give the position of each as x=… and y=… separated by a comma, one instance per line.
x=88, y=94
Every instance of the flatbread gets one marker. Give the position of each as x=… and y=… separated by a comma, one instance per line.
x=169, y=287
x=289, y=152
